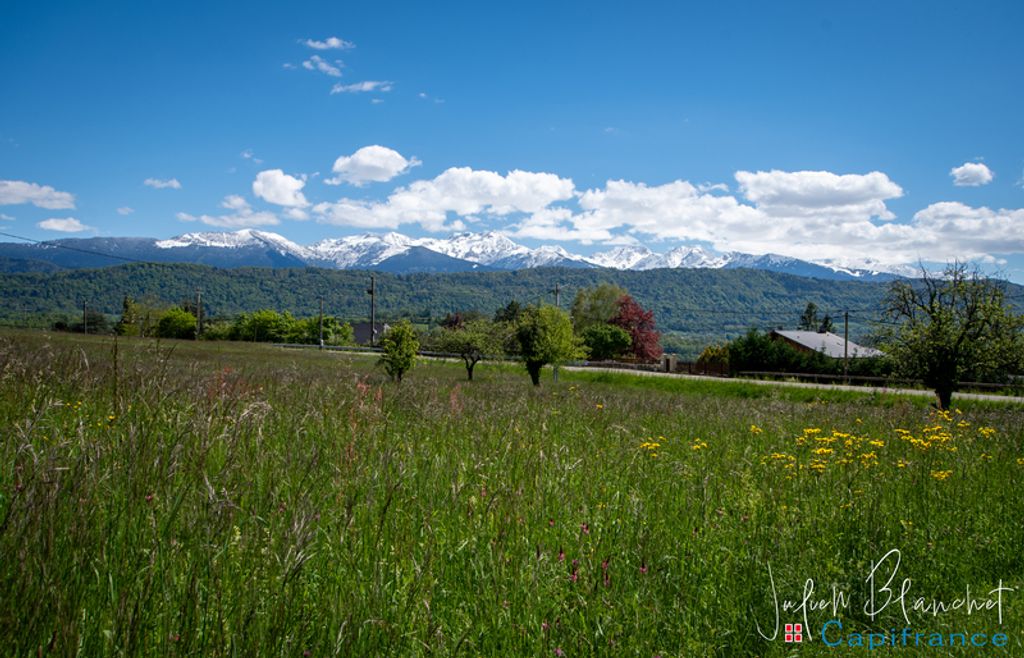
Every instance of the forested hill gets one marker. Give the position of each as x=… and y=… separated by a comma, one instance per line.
x=697, y=302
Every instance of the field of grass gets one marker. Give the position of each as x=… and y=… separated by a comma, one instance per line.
x=167, y=499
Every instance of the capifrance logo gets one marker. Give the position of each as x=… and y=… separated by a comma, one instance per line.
x=891, y=613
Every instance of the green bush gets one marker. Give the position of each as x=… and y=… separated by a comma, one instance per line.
x=177, y=323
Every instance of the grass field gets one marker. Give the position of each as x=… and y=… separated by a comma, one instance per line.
x=233, y=500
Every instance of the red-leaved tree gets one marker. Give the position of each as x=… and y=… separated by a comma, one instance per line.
x=639, y=324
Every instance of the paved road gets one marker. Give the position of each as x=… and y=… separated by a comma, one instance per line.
x=828, y=387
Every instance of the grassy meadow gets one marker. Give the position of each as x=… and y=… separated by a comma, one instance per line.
x=166, y=499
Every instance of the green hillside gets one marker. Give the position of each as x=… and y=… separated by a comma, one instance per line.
x=692, y=303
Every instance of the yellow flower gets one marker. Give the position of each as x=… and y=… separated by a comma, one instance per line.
x=599, y=406
x=941, y=475
x=698, y=444
x=986, y=432
x=823, y=451
x=754, y=429
x=901, y=463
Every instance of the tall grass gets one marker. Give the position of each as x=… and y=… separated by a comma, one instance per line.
x=223, y=500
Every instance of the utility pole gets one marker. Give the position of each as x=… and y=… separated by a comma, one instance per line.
x=557, y=290
x=372, y=291
x=199, y=312
x=846, y=346
x=85, y=319
x=321, y=321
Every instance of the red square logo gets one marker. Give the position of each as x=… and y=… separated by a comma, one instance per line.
x=794, y=633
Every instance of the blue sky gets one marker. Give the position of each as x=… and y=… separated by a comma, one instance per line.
x=818, y=130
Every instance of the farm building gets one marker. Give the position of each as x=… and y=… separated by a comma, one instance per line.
x=827, y=343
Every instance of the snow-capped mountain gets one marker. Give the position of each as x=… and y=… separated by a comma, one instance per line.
x=628, y=258
x=693, y=257
x=246, y=237
x=482, y=248
x=361, y=251
x=395, y=252
x=545, y=256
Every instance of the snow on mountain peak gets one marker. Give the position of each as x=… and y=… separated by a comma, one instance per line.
x=497, y=250
x=245, y=237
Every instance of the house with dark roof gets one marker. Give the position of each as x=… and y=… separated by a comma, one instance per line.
x=826, y=343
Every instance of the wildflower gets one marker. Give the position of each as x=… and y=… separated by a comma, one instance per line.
x=561, y=555
x=551, y=523
x=823, y=451
x=901, y=463
x=1020, y=461
x=149, y=498
x=941, y=475
x=754, y=429
x=559, y=652
x=599, y=406
x=585, y=528
x=699, y=445
x=986, y=432
x=643, y=567
x=544, y=626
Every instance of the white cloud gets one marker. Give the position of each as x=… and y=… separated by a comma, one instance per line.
x=159, y=184
x=125, y=210
x=13, y=192
x=365, y=86
x=370, y=164
x=458, y=190
x=330, y=43
x=818, y=193
x=234, y=202
x=242, y=215
x=247, y=154
x=6, y=218
x=954, y=230
x=971, y=174
x=64, y=225
x=317, y=63
x=812, y=215
x=277, y=187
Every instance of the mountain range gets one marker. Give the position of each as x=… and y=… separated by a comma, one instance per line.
x=398, y=254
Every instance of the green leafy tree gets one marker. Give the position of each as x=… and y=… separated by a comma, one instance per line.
x=545, y=337
x=809, y=318
x=399, y=350
x=177, y=323
x=473, y=341
x=509, y=313
x=952, y=328
x=128, y=325
x=715, y=357
x=267, y=326
x=597, y=305
x=606, y=341
x=826, y=325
